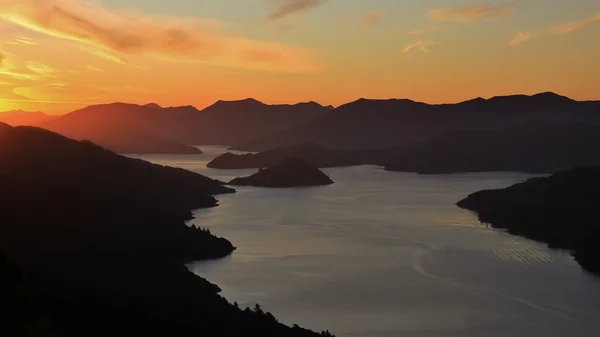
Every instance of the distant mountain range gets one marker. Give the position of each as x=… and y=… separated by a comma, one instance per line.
x=363, y=125
x=20, y=117
x=380, y=124
x=131, y=128
x=236, y=122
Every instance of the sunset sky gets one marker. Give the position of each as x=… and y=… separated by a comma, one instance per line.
x=58, y=55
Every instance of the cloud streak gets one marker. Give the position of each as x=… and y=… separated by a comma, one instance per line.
x=18, y=75
x=570, y=27
x=93, y=68
x=562, y=29
x=176, y=39
x=472, y=13
x=521, y=38
x=8, y=69
x=421, y=45
x=21, y=40
x=290, y=7
x=105, y=55
x=40, y=68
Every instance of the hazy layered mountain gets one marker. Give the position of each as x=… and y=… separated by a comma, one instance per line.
x=20, y=117
x=535, y=147
x=234, y=122
x=130, y=128
x=123, y=128
x=381, y=124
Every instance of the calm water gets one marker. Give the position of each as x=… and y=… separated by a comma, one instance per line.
x=388, y=254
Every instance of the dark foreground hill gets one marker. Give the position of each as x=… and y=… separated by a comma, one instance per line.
x=292, y=172
x=99, y=241
x=561, y=210
x=533, y=147
x=4, y=127
x=368, y=124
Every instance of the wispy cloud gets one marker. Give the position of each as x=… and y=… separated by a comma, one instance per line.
x=172, y=38
x=58, y=85
x=18, y=75
x=570, y=27
x=24, y=99
x=105, y=55
x=521, y=38
x=124, y=88
x=92, y=68
x=290, y=7
x=14, y=67
x=21, y=40
x=561, y=29
x=8, y=69
x=472, y=13
x=421, y=45
x=25, y=40
x=12, y=95
x=40, y=68
x=374, y=17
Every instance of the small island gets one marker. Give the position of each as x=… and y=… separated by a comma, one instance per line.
x=560, y=210
x=292, y=172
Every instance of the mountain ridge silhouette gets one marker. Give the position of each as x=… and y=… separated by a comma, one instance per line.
x=368, y=124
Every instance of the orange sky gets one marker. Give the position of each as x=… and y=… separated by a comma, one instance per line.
x=58, y=55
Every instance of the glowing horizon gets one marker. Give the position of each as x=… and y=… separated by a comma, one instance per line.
x=60, y=55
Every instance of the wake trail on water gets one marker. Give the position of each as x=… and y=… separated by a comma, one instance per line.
x=416, y=262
